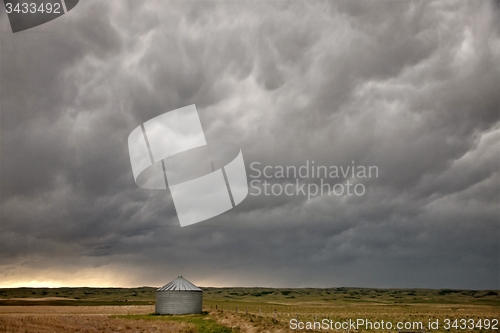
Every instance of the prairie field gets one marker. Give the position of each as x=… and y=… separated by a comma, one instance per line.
x=251, y=310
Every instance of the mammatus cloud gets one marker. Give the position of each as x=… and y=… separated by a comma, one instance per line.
x=409, y=87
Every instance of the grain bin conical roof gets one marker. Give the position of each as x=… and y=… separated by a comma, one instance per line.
x=179, y=284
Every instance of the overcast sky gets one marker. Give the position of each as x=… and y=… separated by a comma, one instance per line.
x=411, y=87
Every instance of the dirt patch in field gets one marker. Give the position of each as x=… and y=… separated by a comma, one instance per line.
x=99, y=310
x=82, y=319
x=41, y=299
x=84, y=324
x=87, y=319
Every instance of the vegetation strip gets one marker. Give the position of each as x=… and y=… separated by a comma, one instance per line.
x=202, y=322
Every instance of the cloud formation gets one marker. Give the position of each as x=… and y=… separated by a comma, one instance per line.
x=410, y=87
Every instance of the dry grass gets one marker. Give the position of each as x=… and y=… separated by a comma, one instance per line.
x=95, y=310
x=262, y=318
x=58, y=319
x=250, y=323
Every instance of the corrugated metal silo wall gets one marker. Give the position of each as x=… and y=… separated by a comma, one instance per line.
x=178, y=302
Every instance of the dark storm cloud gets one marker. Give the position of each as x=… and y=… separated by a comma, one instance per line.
x=409, y=87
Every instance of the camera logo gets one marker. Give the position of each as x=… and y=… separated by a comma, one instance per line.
x=27, y=14
x=170, y=151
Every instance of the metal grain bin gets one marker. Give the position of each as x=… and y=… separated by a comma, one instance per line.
x=179, y=297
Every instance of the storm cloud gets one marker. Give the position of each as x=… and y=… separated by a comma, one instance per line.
x=411, y=87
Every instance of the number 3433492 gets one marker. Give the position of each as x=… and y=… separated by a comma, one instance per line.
x=32, y=8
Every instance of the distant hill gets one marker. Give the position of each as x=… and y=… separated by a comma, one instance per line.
x=326, y=296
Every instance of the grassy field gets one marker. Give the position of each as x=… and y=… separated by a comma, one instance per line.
x=243, y=309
